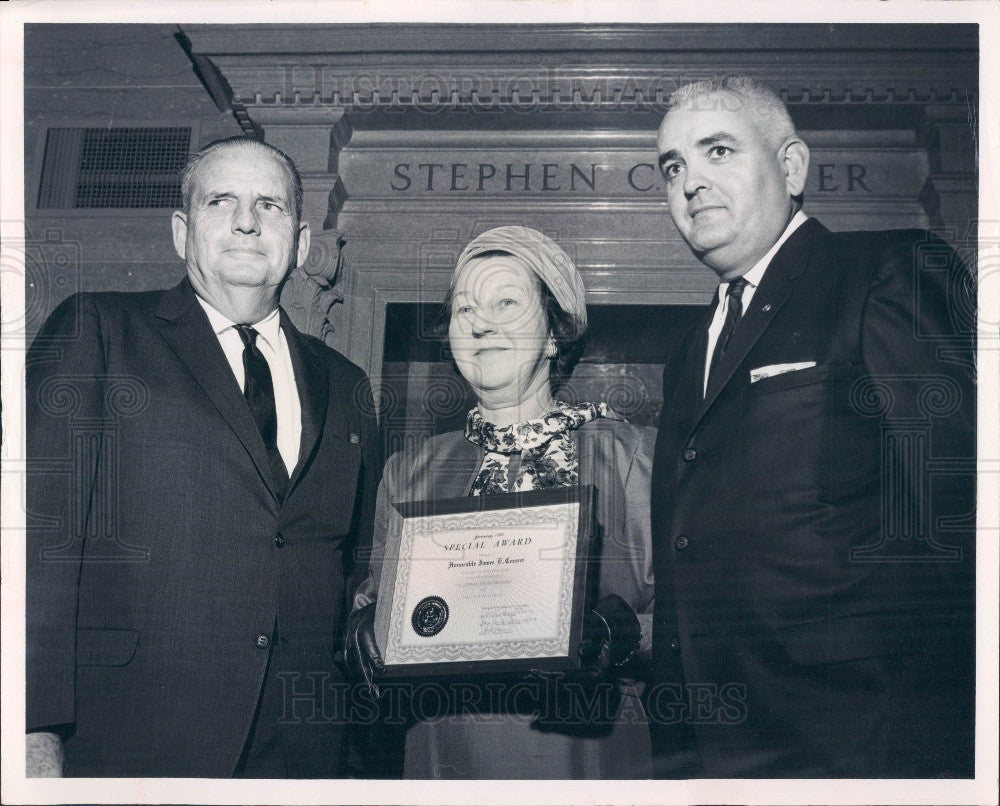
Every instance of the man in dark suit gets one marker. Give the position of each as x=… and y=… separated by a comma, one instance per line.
x=200, y=475
x=813, y=482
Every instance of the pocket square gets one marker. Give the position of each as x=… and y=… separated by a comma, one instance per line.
x=778, y=369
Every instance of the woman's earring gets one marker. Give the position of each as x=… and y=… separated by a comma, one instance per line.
x=550, y=349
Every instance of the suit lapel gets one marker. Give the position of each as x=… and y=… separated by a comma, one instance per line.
x=312, y=380
x=184, y=326
x=774, y=290
x=682, y=388
x=454, y=469
x=696, y=361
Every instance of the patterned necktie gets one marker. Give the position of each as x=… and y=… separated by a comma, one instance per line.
x=258, y=389
x=734, y=312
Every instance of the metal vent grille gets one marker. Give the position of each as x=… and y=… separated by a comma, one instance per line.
x=113, y=167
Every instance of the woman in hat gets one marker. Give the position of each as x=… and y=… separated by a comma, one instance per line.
x=517, y=316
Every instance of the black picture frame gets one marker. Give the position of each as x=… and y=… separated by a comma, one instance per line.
x=583, y=495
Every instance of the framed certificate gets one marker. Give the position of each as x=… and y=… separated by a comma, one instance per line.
x=490, y=584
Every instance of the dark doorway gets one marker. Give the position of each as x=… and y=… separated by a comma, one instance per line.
x=423, y=394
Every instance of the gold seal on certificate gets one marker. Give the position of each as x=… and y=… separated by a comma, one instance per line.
x=485, y=584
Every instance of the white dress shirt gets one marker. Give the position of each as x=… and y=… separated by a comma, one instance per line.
x=753, y=278
x=273, y=346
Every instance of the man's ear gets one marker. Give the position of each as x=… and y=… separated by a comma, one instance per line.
x=795, y=157
x=178, y=223
x=303, y=248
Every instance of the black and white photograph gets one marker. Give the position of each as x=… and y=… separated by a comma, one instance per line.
x=518, y=402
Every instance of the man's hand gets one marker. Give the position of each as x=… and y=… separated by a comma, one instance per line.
x=43, y=755
x=361, y=655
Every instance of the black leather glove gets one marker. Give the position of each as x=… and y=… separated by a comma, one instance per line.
x=611, y=634
x=361, y=655
x=585, y=701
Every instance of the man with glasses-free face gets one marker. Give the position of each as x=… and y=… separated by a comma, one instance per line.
x=187, y=576
x=809, y=570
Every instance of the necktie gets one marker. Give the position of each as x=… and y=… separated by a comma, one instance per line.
x=258, y=389
x=734, y=312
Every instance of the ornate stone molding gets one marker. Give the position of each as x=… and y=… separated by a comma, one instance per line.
x=539, y=88
x=589, y=67
x=310, y=293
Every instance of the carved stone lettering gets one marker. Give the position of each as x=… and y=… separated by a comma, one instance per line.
x=511, y=177
x=849, y=177
x=611, y=179
x=826, y=181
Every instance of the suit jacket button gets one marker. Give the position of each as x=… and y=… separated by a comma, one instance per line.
x=675, y=643
x=681, y=542
x=263, y=641
x=279, y=540
x=690, y=454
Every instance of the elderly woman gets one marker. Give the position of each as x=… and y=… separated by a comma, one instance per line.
x=516, y=318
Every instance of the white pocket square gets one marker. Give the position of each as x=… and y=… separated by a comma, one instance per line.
x=778, y=369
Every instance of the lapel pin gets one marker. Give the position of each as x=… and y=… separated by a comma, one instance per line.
x=355, y=439
x=767, y=307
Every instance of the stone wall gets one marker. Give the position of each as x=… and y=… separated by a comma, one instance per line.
x=104, y=76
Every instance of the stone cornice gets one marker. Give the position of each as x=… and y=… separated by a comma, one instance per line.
x=528, y=89
x=492, y=40
x=537, y=68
